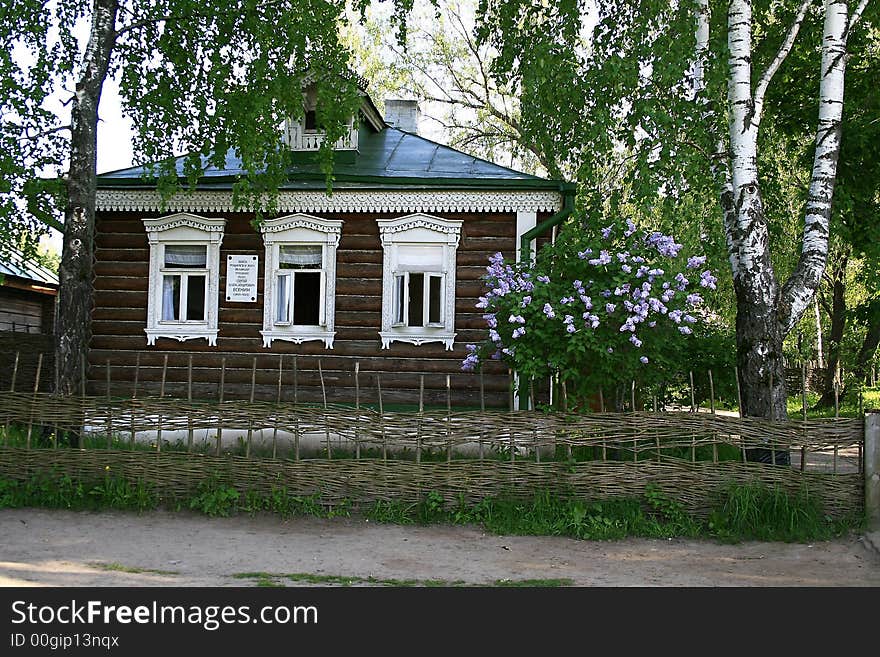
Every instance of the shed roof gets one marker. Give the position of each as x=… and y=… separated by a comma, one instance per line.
x=13, y=263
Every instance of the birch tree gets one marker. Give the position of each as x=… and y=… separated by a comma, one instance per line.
x=685, y=86
x=197, y=77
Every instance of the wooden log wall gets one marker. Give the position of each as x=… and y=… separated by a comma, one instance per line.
x=120, y=312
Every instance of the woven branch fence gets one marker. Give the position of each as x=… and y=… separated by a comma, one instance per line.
x=368, y=480
x=359, y=454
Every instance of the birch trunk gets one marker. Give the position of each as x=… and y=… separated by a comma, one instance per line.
x=73, y=321
x=766, y=313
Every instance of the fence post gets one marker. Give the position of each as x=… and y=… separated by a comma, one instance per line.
x=189, y=398
x=220, y=405
x=381, y=416
x=34, y=401
x=250, y=433
x=357, y=410
x=872, y=470
x=134, y=394
x=109, y=410
x=324, y=397
x=6, y=440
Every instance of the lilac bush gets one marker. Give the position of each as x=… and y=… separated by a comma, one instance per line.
x=597, y=307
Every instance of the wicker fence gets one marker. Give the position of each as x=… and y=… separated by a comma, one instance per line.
x=362, y=454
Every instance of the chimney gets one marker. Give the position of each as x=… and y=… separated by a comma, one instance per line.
x=402, y=114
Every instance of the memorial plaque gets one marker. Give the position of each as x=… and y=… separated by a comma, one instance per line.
x=241, y=278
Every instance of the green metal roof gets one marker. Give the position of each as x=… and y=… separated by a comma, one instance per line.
x=388, y=159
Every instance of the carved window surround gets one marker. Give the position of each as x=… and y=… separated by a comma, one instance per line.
x=296, y=230
x=183, y=229
x=418, y=230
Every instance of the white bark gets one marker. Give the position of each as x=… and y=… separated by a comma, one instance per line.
x=820, y=357
x=800, y=288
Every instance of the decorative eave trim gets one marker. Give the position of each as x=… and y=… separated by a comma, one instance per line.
x=145, y=200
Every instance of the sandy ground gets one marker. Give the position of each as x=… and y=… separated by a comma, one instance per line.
x=59, y=548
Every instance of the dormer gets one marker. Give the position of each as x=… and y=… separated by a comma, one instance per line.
x=307, y=135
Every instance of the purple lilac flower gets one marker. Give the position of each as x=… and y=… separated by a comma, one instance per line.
x=626, y=269
x=696, y=261
x=588, y=302
x=577, y=284
x=518, y=332
x=606, y=232
x=516, y=319
x=548, y=310
x=568, y=319
x=526, y=301
x=610, y=350
x=570, y=328
x=636, y=342
x=675, y=316
x=694, y=299
x=682, y=281
x=609, y=308
x=566, y=300
x=491, y=321
x=652, y=323
x=708, y=280
x=641, y=271
x=644, y=360
x=685, y=329
x=623, y=256
x=494, y=336
x=483, y=303
x=603, y=259
x=606, y=293
x=583, y=254
x=630, y=228
x=470, y=362
x=544, y=279
x=690, y=319
x=594, y=321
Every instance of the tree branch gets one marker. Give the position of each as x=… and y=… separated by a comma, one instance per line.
x=781, y=54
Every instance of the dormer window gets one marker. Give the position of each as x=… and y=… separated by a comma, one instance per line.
x=311, y=121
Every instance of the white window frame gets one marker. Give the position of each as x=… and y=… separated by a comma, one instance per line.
x=190, y=230
x=418, y=230
x=300, y=230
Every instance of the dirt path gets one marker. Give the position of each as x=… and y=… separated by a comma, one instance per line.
x=60, y=548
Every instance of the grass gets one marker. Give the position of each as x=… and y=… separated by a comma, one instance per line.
x=273, y=579
x=120, y=568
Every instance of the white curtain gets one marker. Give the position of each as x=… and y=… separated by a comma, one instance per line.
x=168, y=298
x=283, y=296
x=419, y=258
x=300, y=256
x=185, y=255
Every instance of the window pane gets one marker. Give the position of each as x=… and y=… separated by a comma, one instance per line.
x=398, y=299
x=170, y=298
x=300, y=257
x=306, y=298
x=435, y=293
x=195, y=298
x=185, y=255
x=283, y=305
x=416, y=299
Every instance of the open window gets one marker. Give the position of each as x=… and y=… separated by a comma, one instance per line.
x=300, y=279
x=184, y=277
x=418, y=301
